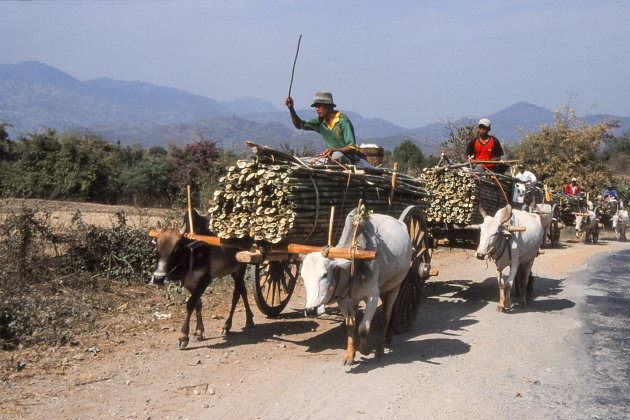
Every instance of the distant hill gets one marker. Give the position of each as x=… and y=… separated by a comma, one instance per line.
x=34, y=95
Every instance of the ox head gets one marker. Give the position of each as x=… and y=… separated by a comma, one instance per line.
x=323, y=279
x=495, y=230
x=170, y=249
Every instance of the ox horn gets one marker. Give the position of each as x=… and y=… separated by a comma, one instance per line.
x=482, y=211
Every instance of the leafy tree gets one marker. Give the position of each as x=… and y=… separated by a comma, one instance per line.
x=33, y=171
x=458, y=138
x=616, y=154
x=157, y=151
x=413, y=166
x=6, y=145
x=191, y=165
x=567, y=148
x=409, y=157
x=82, y=170
x=147, y=182
x=7, y=154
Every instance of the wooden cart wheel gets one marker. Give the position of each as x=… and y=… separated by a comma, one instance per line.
x=273, y=283
x=408, y=300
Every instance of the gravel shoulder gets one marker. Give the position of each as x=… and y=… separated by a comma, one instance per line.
x=461, y=358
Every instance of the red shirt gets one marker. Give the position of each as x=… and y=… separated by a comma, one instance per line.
x=572, y=189
x=485, y=150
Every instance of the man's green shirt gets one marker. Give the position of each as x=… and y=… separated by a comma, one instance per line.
x=341, y=135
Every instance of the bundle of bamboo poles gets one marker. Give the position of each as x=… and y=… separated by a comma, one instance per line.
x=605, y=207
x=457, y=194
x=570, y=203
x=273, y=200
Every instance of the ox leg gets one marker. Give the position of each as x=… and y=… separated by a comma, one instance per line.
x=191, y=304
x=500, y=280
x=198, y=334
x=523, y=274
x=388, y=299
x=240, y=291
x=350, y=351
x=364, y=328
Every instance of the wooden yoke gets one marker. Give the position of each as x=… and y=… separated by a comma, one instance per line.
x=334, y=252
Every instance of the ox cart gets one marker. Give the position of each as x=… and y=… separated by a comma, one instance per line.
x=458, y=192
x=545, y=203
x=275, y=209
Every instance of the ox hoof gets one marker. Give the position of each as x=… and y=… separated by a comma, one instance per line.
x=348, y=362
x=502, y=309
x=183, y=343
x=249, y=324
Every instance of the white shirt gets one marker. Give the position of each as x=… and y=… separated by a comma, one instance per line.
x=527, y=177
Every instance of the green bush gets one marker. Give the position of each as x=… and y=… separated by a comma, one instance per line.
x=120, y=252
x=51, y=283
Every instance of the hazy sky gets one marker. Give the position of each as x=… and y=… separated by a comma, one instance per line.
x=411, y=62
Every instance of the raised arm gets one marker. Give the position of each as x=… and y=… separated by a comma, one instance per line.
x=295, y=119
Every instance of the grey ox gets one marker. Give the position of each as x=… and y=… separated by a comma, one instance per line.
x=586, y=224
x=512, y=239
x=329, y=280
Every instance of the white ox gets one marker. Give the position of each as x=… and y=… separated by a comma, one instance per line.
x=619, y=222
x=586, y=224
x=512, y=239
x=329, y=280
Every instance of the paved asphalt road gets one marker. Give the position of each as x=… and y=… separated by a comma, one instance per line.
x=606, y=315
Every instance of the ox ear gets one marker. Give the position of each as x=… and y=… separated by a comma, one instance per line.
x=483, y=212
x=159, y=225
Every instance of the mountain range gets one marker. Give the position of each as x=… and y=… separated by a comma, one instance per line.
x=34, y=96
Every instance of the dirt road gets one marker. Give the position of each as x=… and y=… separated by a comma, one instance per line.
x=461, y=359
